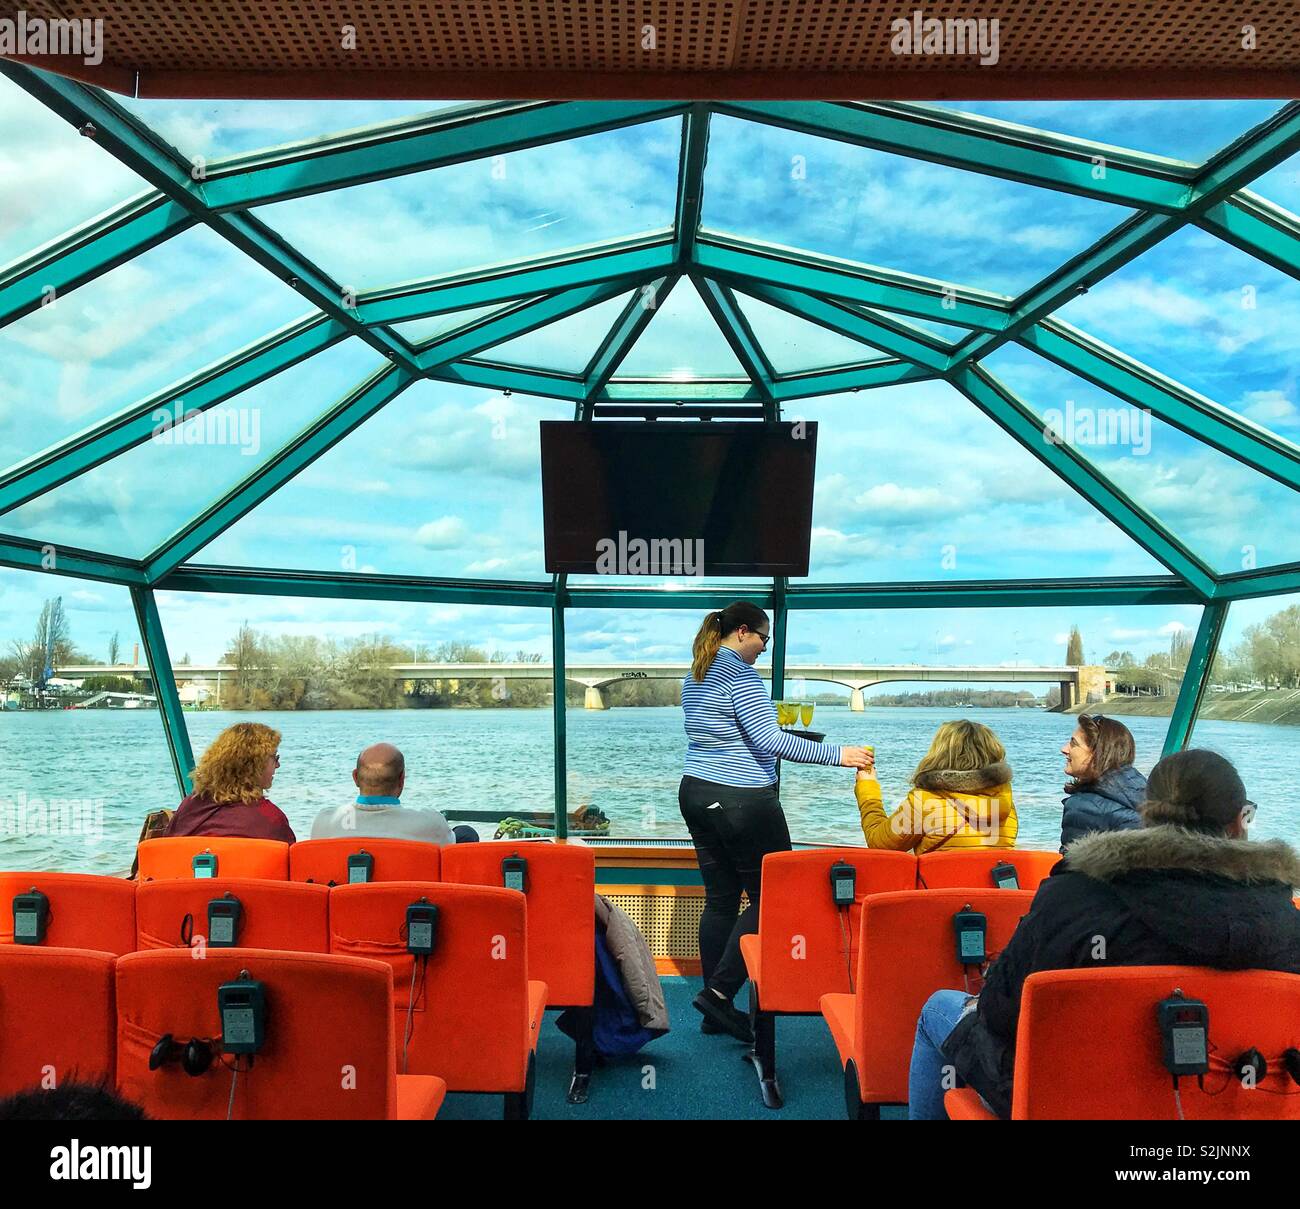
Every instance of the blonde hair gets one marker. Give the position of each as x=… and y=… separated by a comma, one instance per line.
x=962, y=746
x=232, y=767
x=715, y=627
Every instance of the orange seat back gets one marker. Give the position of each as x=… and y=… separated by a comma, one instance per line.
x=328, y=1052
x=909, y=951
x=1089, y=1047
x=56, y=1017
x=807, y=944
x=326, y=861
x=470, y=1024
x=172, y=856
x=273, y=915
x=973, y=868
x=86, y=911
x=561, y=889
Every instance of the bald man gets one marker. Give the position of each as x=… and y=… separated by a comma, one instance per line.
x=380, y=776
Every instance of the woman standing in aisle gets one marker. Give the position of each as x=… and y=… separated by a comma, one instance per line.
x=728, y=795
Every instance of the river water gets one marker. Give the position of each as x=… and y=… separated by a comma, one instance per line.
x=107, y=769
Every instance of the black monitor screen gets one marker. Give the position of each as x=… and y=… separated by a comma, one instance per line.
x=678, y=498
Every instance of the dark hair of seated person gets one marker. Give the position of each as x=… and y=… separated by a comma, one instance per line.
x=71, y=1102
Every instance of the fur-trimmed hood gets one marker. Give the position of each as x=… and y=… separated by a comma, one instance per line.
x=958, y=780
x=1108, y=855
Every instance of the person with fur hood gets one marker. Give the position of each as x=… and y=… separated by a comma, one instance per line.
x=1187, y=888
x=960, y=797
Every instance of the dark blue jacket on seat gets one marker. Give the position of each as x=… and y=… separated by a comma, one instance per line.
x=1108, y=804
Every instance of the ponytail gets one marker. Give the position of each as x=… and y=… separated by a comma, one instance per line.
x=716, y=626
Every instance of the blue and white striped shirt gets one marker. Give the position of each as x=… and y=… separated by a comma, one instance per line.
x=732, y=728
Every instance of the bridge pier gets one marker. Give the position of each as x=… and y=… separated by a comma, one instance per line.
x=856, y=701
x=594, y=698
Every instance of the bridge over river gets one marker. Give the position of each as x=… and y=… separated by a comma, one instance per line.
x=1076, y=683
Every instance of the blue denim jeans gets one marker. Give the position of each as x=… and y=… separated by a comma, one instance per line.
x=925, y=1081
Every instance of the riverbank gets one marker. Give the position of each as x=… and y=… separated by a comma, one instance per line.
x=1281, y=706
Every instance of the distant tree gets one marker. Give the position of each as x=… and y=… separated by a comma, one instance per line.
x=114, y=649
x=1074, y=648
x=1180, y=648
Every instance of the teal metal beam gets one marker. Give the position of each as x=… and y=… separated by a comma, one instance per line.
x=436, y=140
x=322, y=435
x=1279, y=580
x=1196, y=677
x=600, y=597
x=1268, y=232
x=515, y=321
x=667, y=390
x=322, y=585
x=849, y=378
x=88, y=252
x=136, y=424
x=780, y=628
x=994, y=594
x=164, y=687
x=509, y=378
x=740, y=336
x=746, y=264
x=25, y=555
x=1143, y=387
x=690, y=182
x=1018, y=420
x=627, y=329
x=643, y=257
x=559, y=710
x=1264, y=147
x=986, y=146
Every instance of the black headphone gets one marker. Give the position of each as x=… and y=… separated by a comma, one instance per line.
x=195, y=1055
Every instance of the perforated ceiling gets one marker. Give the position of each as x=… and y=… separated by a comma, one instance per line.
x=683, y=48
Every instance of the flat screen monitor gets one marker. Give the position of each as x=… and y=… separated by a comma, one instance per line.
x=678, y=498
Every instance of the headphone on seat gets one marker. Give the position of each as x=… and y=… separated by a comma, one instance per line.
x=195, y=1055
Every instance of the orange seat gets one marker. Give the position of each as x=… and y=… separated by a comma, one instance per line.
x=805, y=946
x=908, y=952
x=56, y=1017
x=561, y=888
x=476, y=1016
x=973, y=867
x=172, y=856
x=326, y=861
x=86, y=911
x=329, y=1050
x=1079, y=1027
x=273, y=915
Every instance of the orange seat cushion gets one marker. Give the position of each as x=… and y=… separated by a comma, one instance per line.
x=964, y=1104
x=751, y=949
x=536, y=1006
x=86, y=911
x=840, y=1011
x=419, y=1097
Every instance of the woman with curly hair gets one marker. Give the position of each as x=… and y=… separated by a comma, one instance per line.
x=230, y=781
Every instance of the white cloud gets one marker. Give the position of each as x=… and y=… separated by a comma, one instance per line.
x=446, y=533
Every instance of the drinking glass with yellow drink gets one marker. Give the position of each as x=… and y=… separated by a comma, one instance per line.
x=806, y=714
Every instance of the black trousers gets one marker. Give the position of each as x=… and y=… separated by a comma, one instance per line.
x=733, y=830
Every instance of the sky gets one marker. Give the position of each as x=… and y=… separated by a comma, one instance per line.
x=913, y=483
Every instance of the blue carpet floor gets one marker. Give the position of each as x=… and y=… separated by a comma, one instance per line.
x=684, y=1075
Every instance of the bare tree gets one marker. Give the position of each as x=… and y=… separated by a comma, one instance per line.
x=114, y=649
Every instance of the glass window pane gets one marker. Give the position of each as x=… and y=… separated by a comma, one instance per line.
x=919, y=668
x=528, y=203
x=445, y=480
x=1248, y=711
x=565, y=346
x=132, y=503
x=797, y=190
x=51, y=178
x=1233, y=517
x=320, y=683
x=78, y=782
x=682, y=342
x=146, y=325
x=793, y=345
x=914, y=483
x=417, y=331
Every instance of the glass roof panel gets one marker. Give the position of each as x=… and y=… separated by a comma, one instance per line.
x=947, y=331
x=681, y=341
x=1280, y=185
x=215, y=129
x=129, y=505
x=1210, y=316
x=445, y=480
x=1185, y=130
x=782, y=186
x=417, y=331
x=527, y=203
x=1233, y=517
x=914, y=483
x=51, y=178
x=146, y=325
x=793, y=345
x=565, y=346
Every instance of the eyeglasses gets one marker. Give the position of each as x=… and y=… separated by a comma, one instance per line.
x=276, y=758
x=1248, y=813
x=765, y=637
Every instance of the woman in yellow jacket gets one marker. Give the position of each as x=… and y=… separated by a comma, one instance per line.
x=961, y=796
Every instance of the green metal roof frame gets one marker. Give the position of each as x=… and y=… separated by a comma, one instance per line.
x=858, y=301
